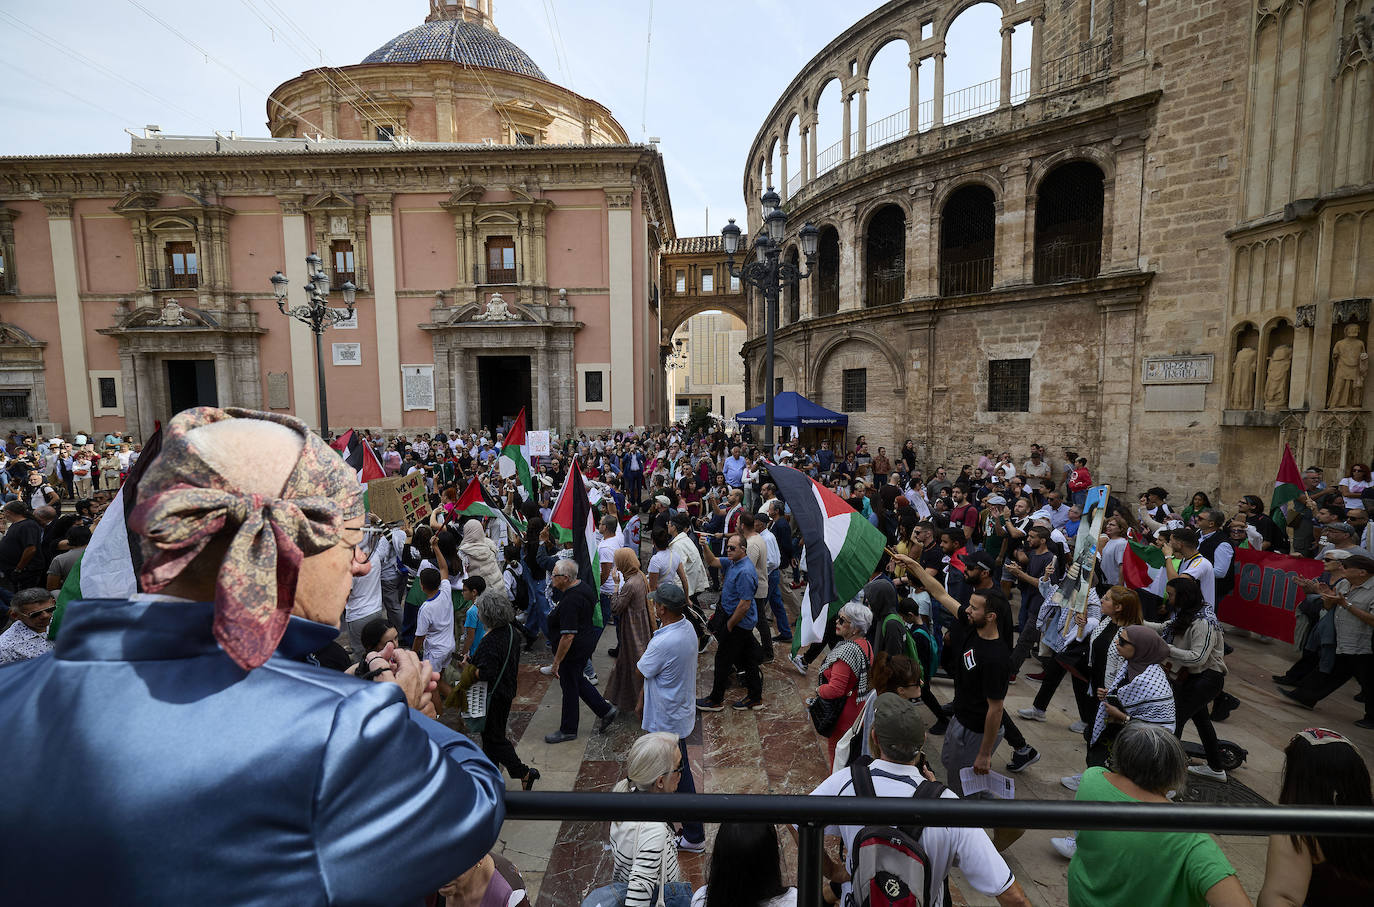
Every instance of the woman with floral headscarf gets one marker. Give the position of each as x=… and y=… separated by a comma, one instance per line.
x=249, y=528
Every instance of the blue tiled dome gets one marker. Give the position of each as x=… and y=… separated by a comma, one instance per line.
x=456, y=41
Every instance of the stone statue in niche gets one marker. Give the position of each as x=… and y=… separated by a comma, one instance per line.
x=1349, y=366
x=1276, y=378
x=1243, y=379
x=497, y=310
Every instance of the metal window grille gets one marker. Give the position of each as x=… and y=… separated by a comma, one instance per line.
x=855, y=390
x=109, y=399
x=593, y=389
x=14, y=405
x=1009, y=385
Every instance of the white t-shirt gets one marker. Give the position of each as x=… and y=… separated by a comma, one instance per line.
x=435, y=624
x=664, y=563
x=1201, y=570
x=365, y=598
x=606, y=550
x=1113, y=553
x=787, y=899
x=1354, y=487
x=970, y=848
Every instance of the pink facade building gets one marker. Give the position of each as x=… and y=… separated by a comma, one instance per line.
x=503, y=233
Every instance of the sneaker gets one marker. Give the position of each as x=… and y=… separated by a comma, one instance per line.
x=1011, y=679
x=591, y=676
x=613, y=651
x=704, y=643
x=546, y=670
x=1032, y=714
x=606, y=720
x=1039, y=675
x=1065, y=847
x=1366, y=723
x=706, y=705
x=691, y=846
x=1078, y=727
x=939, y=728
x=559, y=737
x=747, y=704
x=798, y=664
x=1204, y=771
x=1023, y=758
x=1072, y=781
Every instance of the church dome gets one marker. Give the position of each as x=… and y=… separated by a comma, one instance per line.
x=456, y=41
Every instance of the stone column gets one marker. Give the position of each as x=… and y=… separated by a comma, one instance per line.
x=458, y=371
x=1115, y=401
x=620, y=267
x=863, y=117
x=851, y=289
x=919, y=257
x=848, y=124
x=1036, y=25
x=388, y=321
x=939, y=99
x=1010, y=259
x=914, y=102
x=295, y=247
x=803, y=173
x=1121, y=205
x=149, y=391
x=71, y=327
x=782, y=178
x=921, y=344
x=1005, y=98
x=544, y=376
x=811, y=140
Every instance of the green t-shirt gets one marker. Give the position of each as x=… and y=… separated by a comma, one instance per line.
x=1110, y=868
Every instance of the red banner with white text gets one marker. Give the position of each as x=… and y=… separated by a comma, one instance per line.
x=1267, y=591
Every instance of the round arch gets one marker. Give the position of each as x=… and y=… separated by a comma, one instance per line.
x=896, y=33
x=954, y=184
x=827, y=349
x=868, y=209
x=1086, y=153
x=941, y=28
x=675, y=316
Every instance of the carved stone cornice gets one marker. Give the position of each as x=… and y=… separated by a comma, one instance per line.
x=619, y=198
x=58, y=207
x=379, y=203
x=292, y=205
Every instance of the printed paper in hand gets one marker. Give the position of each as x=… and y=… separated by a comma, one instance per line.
x=999, y=786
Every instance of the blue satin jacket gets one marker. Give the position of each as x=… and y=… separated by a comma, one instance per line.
x=144, y=767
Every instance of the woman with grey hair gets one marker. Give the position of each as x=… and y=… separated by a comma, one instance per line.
x=497, y=661
x=1184, y=867
x=844, y=673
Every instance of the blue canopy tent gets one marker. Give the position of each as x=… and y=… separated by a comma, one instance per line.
x=795, y=411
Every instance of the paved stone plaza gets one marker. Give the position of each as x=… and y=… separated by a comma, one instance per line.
x=776, y=751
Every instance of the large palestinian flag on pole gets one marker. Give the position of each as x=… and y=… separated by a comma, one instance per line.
x=1287, y=487
x=842, y=547
x=109, y=566
x=1142, y=566
x=573, y=520
x=516, y=449
x=478, y=502
x=358, y=454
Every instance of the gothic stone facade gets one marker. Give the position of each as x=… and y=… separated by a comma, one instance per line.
x=1084, y=264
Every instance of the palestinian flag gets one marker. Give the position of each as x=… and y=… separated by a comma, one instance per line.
x=1142, y=566
x=1287, y=487
x=478, y=502
x=112, y=560
x=573, y=520
x=842, y=547
x=516, y=449
x=358, y=454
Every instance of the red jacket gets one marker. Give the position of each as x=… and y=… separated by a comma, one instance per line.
x=1081, y=480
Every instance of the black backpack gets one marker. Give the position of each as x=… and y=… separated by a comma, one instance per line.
x=888, y=866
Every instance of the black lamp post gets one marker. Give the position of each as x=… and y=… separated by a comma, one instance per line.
x=316, y=315
x=767, y=273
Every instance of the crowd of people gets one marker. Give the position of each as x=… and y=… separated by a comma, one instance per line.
x=694, y=550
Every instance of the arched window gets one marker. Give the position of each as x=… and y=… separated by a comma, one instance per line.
x=791, y=312
x=968, y=234
x=1068, y=223
x=828, y=272
x=886, y=257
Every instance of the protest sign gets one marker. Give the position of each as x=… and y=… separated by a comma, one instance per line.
x=539, y=443
x=1267, y=591
x=399, y=499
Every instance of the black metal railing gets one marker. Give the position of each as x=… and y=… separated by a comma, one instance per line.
x=960, y=277
x=1076, y=68
x=1056, y=261
x=811, y=815
x=886, y=286
x=172, y=279
x=827, y=298
x=338, y=278
x=485, y=275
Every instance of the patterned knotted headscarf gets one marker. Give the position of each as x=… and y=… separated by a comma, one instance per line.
x=184, y=503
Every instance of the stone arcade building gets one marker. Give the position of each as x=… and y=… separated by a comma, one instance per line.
x=502, y=232
x=1145, y=246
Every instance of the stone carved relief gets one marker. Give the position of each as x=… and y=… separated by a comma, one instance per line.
x=1349, y=368
x=496, y=310
x=1276, y=378
x=172, y=314
x=1307, y=316
x=1348, y=311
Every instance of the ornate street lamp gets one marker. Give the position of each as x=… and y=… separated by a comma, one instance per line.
x=317, y=315
x=767, y=273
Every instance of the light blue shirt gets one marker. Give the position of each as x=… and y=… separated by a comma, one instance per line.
x=734, y=471
x=740, y=583
x=669, y=666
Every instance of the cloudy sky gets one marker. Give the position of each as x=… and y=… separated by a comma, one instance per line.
x=76, y=74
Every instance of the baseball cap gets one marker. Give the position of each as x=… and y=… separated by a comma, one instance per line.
x=898, y=726
x=1341, y=527
x=671, y=596
x=978, y=559
x=664, y=500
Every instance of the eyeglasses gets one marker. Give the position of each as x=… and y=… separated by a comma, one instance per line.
x=732, y=547
x=48, y=610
